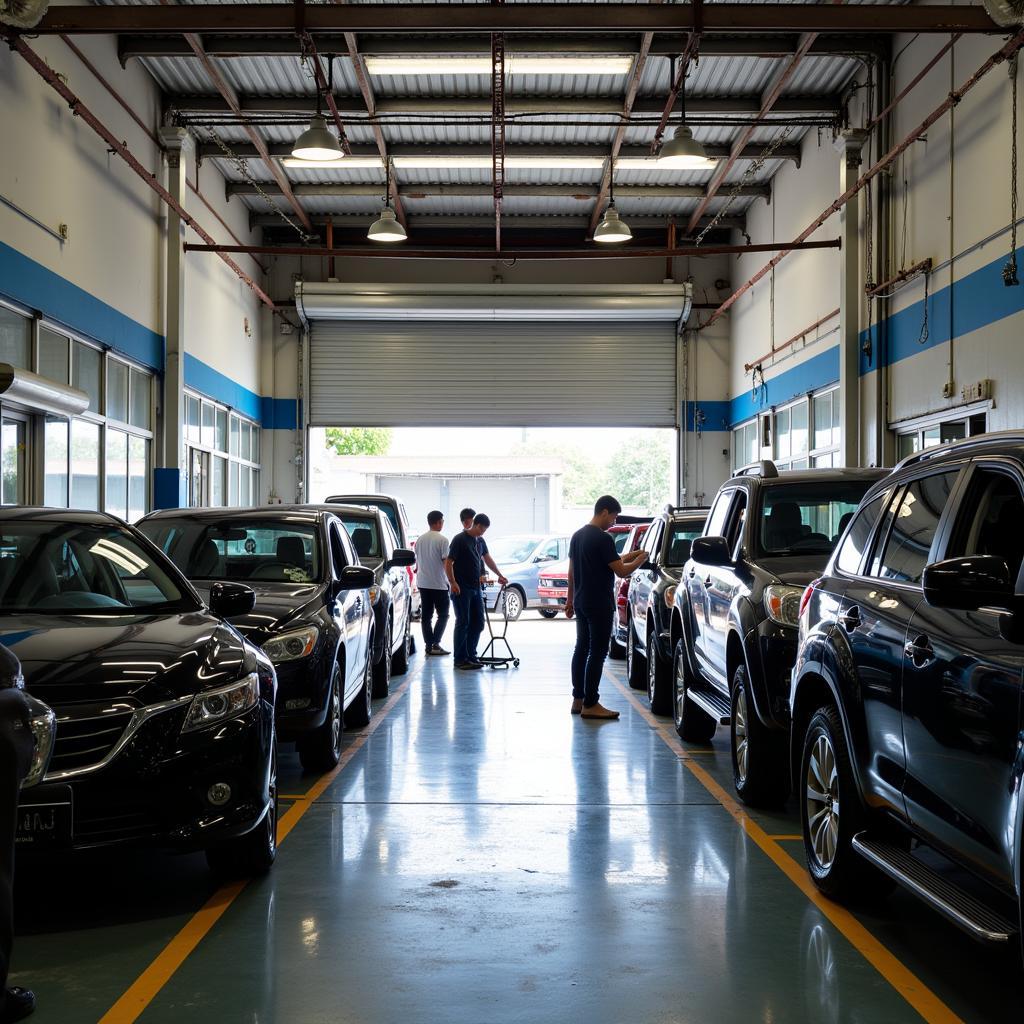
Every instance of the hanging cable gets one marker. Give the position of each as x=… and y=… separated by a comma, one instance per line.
x=922, y=338
x=1010, y=278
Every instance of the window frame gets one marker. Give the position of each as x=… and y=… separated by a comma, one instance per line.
x=235, y=464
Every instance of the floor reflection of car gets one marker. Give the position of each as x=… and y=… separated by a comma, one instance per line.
x=522, y=558
x=377, y=547
x=165, y=715
x=312, y=616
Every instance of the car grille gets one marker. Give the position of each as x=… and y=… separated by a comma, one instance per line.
x=103, y=823
x=86, y=739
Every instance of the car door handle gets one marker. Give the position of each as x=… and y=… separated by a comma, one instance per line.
x=693, y=572
x=850, y=619
x=707, y=581
x=920, y=650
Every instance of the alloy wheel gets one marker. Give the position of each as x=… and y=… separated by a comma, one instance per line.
x=272, y=811
x=513, y=605
x=652, y=667
x=822, y=797
x=630, y=653
x=742, y=739
x=336, y=713
x=679, y=690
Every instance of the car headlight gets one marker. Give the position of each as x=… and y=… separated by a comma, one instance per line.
x=219, y=705
x=782, y=604
x=43, y=723
x=670, y=597
x=291, y=646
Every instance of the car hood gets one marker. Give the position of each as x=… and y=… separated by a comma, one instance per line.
x=146, y=659
x=556, y=568
x=796, y=572
x=277, y=605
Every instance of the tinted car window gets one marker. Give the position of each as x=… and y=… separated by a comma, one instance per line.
x=364, y=535
x=620, y=541
x=806, y=517
x=854, y=547
x=992, y=520
x=680, y=538
x=716, y=518
x=512, y=550
x=915, y=520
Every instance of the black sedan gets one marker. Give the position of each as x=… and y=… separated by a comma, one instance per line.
x=165, y=715
x=312, y=616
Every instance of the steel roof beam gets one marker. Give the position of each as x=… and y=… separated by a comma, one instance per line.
x=582, y=193
x=524, y=222
x=227, y=46
x=303, y=106
x=446, y=19
x=754, y=151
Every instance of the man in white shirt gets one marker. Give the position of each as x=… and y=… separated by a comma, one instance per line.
x=431, y=551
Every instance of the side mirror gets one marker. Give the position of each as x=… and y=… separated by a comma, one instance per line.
x=230, y=599
x=544, y=558
x=402, y=556
x=354, y=577
x=970, y=583
x=711, y=551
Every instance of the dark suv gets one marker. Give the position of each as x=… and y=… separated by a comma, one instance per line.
x=649, y=601
x=734, y=631
x=906, y=692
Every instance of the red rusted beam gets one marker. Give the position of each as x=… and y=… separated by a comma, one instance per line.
x=914, y=81
x=446, y=19
x=363, y=252
x=791, y=341
x=79, y=109
x=324, y=88
x=915, y=270
x=685, y=57
x=1003, y=54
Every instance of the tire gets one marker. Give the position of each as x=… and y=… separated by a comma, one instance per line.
x=693, y=724
x=361, y=709
x=659, y=678
x=826, y=782
x=616, y=651
x=382, y=669
x=515, y=602
x=320, y=751
x=760, y=768
x=400, y=660
x=255, y=852
x=636, y=670
x=548, y=613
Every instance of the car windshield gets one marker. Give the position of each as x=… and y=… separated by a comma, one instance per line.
x=262, y=549
x=51, y=568
x=808, y=518
x=365, y=534
x=385, y=506
x=681, y=536
x=513, y=549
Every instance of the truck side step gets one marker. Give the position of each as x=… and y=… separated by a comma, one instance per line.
x=713, y=703
x=963, y=909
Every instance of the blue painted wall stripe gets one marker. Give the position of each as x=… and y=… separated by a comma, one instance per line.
x=280, y=413
x=716, y=416
x=216, y=385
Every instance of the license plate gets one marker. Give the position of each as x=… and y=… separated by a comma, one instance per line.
x=44, y=824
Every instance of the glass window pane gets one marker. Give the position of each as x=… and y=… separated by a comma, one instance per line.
x=222, y=431
x=913, y=527
x=245, y=489
x=191, y=418
x=233, y=484
x=824, y=461
x=977, y=424
x=138, y=477
x=117, y=473
x=907, y=444
x=117, y=390
x=13, y=460
x=854, y=547
x=55, y=458
x=86, y=373
x=236, y=429
x=782, y=447
x=218, y=482
x=255, y=444
x=953, y=431
x=85, y=465
x=53, y=356
x=141, y=399
x=835, y=416
x=931, y=437
x=799, y=427
x=246, y=452
x=15, y=337
x=207, y=435
x=823, y=421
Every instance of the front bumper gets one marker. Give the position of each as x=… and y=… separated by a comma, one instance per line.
x=303, y=686
x=774, y=649
x=551, y=602
x=154, y=792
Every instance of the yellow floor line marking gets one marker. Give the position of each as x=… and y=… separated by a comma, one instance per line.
x=293, y=796
x=780, y=839
x=897, y=974
x=148, y=984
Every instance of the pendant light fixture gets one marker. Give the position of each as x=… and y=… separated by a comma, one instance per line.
x=683, y=151
x=316, y=143
x=386, y=228
x=612, y=228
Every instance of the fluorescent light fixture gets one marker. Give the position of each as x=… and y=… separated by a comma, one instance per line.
x=612, y=228
x=611, y=65
x=639, y=163
x=459, y=163
x=316, y=142
x=365, y=163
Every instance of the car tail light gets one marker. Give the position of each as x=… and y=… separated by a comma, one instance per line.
x=806, y=596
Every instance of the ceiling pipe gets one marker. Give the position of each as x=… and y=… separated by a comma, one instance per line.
x=362, y=252
x=1001, y=55
x=79, y=109
x=747, y=367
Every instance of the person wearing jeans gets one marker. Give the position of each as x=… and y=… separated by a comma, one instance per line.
x=464, y=567
x=593, y=565
x=432, y=581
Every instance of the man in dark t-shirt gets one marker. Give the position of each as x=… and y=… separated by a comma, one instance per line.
x=593, y=565
x=464, y=566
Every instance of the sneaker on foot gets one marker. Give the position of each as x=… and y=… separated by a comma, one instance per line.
x=577, y=706
x=469, y=666
x=18, y=1004
x=438, y=649
x=599, y=711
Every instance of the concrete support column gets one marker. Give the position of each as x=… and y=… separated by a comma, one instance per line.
x=849, y=145
x=171, y=476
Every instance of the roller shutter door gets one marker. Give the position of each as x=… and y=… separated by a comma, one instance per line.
x=408, y=373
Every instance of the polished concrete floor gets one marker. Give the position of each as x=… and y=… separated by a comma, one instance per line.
x=484, y=857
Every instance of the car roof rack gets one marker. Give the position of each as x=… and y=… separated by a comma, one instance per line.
x=670, y=509
x=765, y=468
x=978, y=441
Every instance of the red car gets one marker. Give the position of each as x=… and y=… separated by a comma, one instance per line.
x=631, y=541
